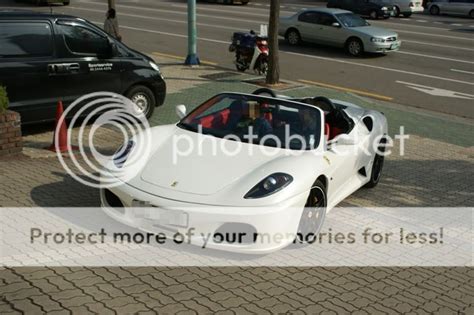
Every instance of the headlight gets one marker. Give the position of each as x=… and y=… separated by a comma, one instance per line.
x=384, y=8
x=122, y=153
x=154, y=66
x=377, y=40
x=269, y=185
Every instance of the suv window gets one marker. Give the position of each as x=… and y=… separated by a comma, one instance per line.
x=308, y=17
x=32, y=39
x=83, y=41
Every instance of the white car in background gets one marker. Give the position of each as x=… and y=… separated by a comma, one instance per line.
x=281, y=193
x=407, y=7
x=452, y=7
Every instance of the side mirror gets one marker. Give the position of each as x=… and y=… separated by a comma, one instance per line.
x=181, y=111
x=344, y=139
x=335, y=24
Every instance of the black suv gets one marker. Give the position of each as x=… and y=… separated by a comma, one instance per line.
x=371, y=8
x=49, y=57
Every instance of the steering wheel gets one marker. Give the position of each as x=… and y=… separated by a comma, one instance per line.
x=264, y=91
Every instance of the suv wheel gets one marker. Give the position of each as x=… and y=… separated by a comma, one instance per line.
x=396, y=11
x=144, y=99
x=373, y=15
x=354, y=47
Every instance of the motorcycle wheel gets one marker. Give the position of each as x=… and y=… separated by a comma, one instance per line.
x=263, y=68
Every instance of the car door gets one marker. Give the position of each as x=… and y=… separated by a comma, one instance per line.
x=327, y=33
x=307, y=26
x=26, y=48
x=88, y=63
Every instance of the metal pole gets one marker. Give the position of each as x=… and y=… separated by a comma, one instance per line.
x=111, y=4
x=192, y=58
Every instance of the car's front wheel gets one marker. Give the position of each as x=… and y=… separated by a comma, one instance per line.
x=377, y=166
x=396, y=11
x=143, y=98
x=293, y=37
x=373, y=15
x=354, y=47
x=313, y=215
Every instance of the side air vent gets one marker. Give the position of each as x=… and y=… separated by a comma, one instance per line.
x=362, y=171
x=368, y=122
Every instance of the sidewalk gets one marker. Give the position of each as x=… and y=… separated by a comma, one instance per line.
x=437, y=170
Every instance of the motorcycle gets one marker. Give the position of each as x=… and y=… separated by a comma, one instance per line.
x=251, y=52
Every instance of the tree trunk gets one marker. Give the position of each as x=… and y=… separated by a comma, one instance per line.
x=273, y=75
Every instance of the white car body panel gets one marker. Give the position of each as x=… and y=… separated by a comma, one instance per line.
x=205, y=184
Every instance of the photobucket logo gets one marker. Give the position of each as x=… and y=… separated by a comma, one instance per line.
x=118, y=115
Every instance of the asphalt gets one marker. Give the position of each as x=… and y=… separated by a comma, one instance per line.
x=434, y=69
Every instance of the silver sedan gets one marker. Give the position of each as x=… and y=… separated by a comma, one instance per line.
x=339, y=28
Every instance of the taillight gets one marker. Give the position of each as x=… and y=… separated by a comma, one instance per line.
x=263, y=42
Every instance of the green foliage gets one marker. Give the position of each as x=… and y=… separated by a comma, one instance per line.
x=3, y=99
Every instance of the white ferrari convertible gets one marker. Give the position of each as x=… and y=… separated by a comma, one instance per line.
x=254, y=164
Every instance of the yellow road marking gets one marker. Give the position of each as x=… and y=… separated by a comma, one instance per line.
x=204, y=62
x=341, y=88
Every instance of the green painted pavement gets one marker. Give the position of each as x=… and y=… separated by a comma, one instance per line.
x=425, y=125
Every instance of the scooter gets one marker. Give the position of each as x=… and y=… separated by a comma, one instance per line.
x=251, y=52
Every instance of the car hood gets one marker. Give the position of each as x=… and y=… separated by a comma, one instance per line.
x=203, y=168
x=374, y=31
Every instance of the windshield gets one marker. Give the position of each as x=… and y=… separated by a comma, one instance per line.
x=351, y=20
x=258, y=120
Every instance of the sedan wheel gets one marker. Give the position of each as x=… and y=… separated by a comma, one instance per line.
x=373, y=15
x=355, y=47
x=293, y=37
x=377, y=167
x=313, y=215
x=396, y=11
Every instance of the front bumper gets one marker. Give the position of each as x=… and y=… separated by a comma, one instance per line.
x=377, y=47
x=278, y=222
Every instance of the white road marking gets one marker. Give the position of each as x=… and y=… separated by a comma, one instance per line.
x=436, y=45
x=422, y=21
x=433, y=57
x=433, y=35
x=456, y=24
x=436, y=91
x=462, y=71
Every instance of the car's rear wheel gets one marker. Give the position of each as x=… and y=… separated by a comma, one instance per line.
x=293, y=37
x=313, y=215
x=373, y=15
x=377, y=167
x=143, y=98
x=354, y=47
x=396, y=11
x=244, y=2
x=434, y=10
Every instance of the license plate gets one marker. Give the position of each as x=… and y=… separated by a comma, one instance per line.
x=163, y=216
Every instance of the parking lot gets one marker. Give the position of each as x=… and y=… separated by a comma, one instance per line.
x=435, y=171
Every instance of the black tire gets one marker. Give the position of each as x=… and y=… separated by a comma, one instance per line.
x=354, y=47
x=434, y=10
x=313, y=215
x=374, y=15
x=263, y=91
x=397, y=11
x=66, y=3
x=262, y=68
x=144, y=98
x=377, y=168
x=406, y=15
x=293, y=37
x=471, y=14
x=245, y=2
